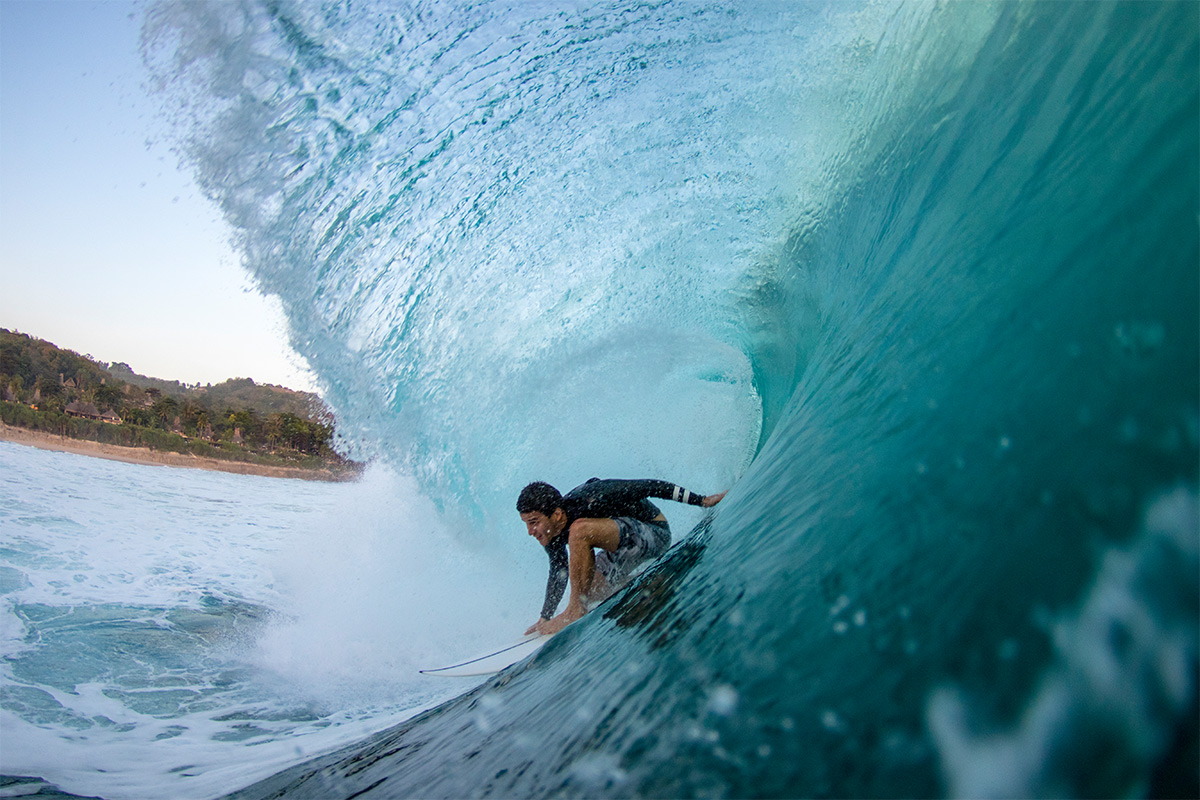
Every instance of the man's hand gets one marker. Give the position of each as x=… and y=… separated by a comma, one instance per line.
x=542, y=626
x=711, y=500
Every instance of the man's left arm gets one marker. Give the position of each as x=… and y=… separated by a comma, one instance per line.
x=665, y=490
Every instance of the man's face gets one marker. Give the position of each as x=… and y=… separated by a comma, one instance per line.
x=542, y=527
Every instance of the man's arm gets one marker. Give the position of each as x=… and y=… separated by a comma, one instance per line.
x=663, y=490
x=556, y=585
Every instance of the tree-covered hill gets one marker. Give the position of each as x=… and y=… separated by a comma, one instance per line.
x=45, y=387
x=236, y=393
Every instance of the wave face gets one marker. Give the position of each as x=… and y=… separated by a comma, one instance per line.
x=920, y=282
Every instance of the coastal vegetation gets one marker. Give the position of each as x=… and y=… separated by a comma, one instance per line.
x=47, y=388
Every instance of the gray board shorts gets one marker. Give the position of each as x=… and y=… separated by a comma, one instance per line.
x=639, y=542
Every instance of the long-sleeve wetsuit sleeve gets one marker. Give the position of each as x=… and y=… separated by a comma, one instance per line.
x=556, y=584
x=615, y=497
x=640, y=489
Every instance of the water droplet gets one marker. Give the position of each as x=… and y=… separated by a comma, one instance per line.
x=831, y=720
x=723, y=700
x=1140, y=339
x=598, y=770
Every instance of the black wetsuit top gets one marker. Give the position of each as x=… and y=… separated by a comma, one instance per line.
x=605, y=499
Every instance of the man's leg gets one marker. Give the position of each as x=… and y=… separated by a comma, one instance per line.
x=586, y=534
x=583, y=536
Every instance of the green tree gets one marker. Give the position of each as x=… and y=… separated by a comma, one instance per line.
x=246, y=421
x=15, y=362
x=108, y=397
x=49, y=387
x=273, y=430
x=165, y=410
x=136, y=415
x=17, y=385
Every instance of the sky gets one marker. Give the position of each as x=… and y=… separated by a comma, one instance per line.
x=106, y=245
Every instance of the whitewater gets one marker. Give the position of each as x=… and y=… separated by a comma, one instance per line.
x=171, y=632
x=916, y=282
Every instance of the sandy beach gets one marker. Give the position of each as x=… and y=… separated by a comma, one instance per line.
x=157, y=458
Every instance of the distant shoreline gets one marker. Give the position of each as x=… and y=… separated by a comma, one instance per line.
x=160, y=458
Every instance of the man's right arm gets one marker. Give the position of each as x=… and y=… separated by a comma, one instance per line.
x=556, y=585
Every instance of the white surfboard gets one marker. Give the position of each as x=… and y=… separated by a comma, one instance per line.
x=492, y=662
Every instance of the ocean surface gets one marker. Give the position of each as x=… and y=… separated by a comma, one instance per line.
x=179, y=633
x=917, y=282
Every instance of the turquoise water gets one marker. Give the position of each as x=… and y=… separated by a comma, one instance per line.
x=918, y=283
x=180, y=633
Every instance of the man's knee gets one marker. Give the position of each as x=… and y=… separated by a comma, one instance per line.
x=594, y=533
x=583, y=530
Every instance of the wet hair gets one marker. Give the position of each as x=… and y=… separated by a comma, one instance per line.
x=539, y=496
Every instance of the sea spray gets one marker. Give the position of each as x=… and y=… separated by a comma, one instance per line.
x=184, y=632
x=383, y=586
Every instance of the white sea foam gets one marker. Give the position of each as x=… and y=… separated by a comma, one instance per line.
x=182, y=633
x=385, y=586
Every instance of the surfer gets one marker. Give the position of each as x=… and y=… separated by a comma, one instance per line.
x=612, y=515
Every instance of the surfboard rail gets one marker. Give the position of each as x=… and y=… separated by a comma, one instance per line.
x=493, y=661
